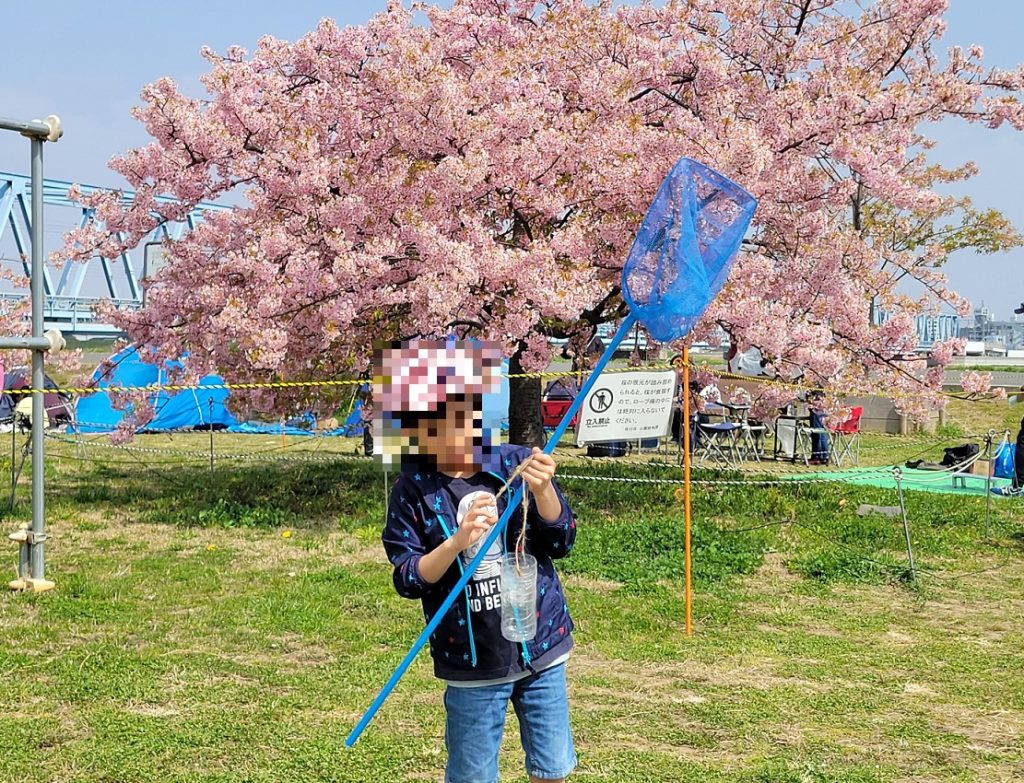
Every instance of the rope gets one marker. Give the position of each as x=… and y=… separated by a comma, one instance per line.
x=946, y=472
x=176, y=387
x=275, y=455
x=265, y=455
x=565, y=459
x=248, y=386
x=520, y=546
x=722, y=482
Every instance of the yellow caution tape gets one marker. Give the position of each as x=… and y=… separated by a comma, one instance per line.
x=677, y=364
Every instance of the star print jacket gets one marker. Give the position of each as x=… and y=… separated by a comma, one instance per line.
x=468, y=644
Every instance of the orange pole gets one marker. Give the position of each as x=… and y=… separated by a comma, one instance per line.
x=688, y=592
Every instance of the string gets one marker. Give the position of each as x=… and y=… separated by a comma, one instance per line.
x=520, y=546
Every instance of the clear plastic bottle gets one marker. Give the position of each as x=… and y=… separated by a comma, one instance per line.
x=519, y=597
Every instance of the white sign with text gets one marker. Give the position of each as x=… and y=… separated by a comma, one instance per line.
x=627, y=406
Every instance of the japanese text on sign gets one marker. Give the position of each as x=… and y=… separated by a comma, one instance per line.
x=627, y=406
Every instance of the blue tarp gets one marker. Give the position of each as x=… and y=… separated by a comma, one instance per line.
x=352, y=427
x=191, y=408
x=174, y=410
x=354, y=423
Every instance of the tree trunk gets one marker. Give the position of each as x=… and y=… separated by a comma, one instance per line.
x=525, y=427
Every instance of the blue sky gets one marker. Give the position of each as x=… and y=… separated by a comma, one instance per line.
x=87, y=62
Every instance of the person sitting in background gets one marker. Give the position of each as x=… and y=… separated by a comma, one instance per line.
x=366, y=414
x=697, y=415
x=819, y=438
x=700, y=398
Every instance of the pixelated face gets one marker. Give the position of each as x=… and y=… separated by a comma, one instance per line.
x=454, y=438
x=430, y=398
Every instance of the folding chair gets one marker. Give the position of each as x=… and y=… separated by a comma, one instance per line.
x=718, y=443
x=752, y=439
x=846, y=438
x=805, y=440
x=551, y=411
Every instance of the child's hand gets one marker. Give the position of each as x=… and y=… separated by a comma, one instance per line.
x=539, y=472
x=480, y=518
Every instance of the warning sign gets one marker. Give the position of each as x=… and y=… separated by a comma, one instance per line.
x=627, y=406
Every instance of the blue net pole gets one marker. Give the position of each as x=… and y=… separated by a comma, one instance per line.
x=628, y=322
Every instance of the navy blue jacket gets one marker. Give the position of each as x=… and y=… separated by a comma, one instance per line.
x=421, y=515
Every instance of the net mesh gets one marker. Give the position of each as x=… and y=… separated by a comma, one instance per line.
x=685, y=246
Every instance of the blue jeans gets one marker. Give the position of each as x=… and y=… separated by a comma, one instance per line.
x=476, y=721
x=819, y=442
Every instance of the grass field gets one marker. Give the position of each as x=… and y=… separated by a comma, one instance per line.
x=232, y=626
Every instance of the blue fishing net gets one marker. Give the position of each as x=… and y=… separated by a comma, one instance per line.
x=682, y=253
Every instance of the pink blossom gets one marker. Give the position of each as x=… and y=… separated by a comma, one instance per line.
x=485, y=173
x=976, y=383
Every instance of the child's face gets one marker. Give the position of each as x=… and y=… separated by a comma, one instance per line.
x=454, y=441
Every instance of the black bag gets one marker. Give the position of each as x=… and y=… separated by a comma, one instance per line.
x=615, y=448
x=959, y=454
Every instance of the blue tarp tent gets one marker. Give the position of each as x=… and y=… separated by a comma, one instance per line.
x=192, y=408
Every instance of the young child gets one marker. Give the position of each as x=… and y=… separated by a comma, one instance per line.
x=441, y=510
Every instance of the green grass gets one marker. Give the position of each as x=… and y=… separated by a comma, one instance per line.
x=231, y=626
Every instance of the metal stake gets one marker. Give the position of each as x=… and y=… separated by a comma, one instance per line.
x=898, y=475
x=14, y=449
x=210, y=424
x=988, y=479
x=687, y=512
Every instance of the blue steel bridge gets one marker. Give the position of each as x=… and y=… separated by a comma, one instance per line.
x=73, y=291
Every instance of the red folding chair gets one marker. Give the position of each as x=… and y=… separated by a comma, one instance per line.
x=846, y=438
x=552, y=411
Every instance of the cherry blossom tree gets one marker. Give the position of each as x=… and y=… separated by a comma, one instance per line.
x=482, y=169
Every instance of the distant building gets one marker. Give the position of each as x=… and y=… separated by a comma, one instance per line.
x=997, y=336
x=931, y=328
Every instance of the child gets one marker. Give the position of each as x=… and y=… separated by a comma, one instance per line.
x=441, y=510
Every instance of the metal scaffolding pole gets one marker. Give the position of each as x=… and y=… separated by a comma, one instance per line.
x=31, y=540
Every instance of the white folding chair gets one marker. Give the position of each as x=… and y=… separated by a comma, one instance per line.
x=752, y=440
x=805, y=435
